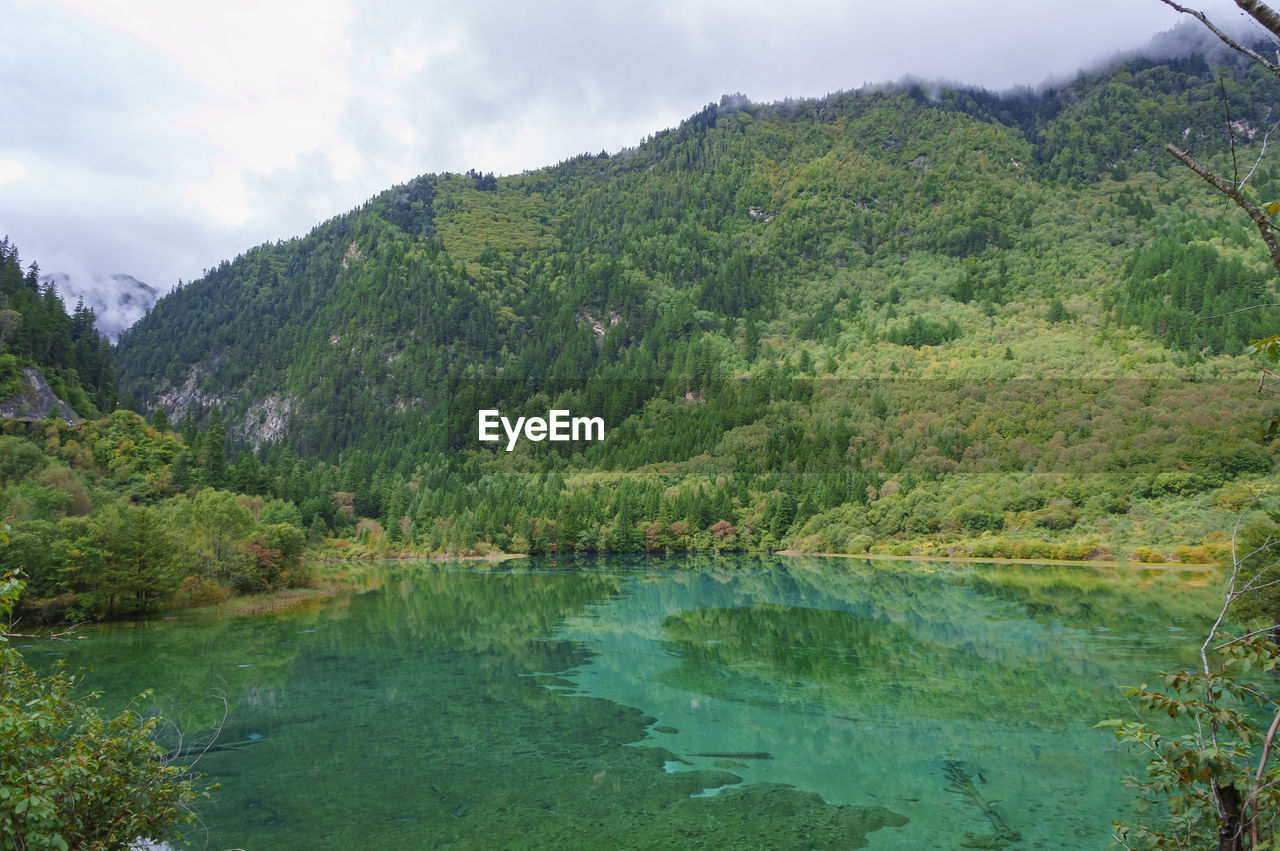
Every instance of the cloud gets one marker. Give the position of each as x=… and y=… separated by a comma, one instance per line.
x=12, y=171
x=117, y=301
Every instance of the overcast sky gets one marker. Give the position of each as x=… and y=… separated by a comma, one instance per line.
x=157, y=137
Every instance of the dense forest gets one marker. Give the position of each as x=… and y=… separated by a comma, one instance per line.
x=902, y=319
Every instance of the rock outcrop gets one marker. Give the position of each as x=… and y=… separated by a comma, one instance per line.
x=36, y=400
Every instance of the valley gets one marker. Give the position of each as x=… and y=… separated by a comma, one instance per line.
x=998, y=358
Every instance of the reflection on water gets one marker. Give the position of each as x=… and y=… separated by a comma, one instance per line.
x=638, y=703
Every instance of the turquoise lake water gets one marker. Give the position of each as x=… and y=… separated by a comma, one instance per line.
x=625, y=702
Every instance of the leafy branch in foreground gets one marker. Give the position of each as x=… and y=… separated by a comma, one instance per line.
x=69, y=778
x=1215, y=772
x=1217, y=779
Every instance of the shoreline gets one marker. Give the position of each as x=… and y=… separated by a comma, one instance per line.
x=347, y=559
x=285, y=599
x=1138, y=565
x=790, y=553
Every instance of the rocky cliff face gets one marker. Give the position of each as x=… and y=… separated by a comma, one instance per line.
x=36, y=401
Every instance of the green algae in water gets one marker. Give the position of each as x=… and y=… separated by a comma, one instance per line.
x=618, y=706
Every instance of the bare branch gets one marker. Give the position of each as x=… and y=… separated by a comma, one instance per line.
x=1251, y=587
x=1233, y=192
x=1261, y=548
x=1251, y=801
x=1266, y=373
x=1257, y=577
x=1242, y=309
x=1266, y=748
x=1237, y=639
x=1228, y=40
x=49, y=635
x=1261, y=154
x=1231, y=135
x=1231, y=585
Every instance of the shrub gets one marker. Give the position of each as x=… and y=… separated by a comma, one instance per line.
x=1178, y=483
x=199, y=591
x=978, y=519
x=69, y=778
x=18, y=459
x=1056, y=517
x=1194, y=555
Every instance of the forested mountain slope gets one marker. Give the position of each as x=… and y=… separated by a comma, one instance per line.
x=680, y=289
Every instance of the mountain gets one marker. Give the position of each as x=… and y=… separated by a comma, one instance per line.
x=117, y=301
x=50, y=361
x=687, y=289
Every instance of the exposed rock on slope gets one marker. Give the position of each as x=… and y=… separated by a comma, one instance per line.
x=36, y=400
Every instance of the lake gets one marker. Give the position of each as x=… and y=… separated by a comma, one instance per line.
x=640, y=702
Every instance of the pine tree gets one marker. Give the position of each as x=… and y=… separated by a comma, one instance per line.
x=215, y=452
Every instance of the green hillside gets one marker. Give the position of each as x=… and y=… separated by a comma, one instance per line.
x=750, y=301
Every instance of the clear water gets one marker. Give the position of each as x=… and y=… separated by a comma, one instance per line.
x=788, y=703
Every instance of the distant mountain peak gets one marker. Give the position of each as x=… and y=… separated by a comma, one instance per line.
x=117, y=300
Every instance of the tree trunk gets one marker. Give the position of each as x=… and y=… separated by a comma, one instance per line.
x=1230, y=831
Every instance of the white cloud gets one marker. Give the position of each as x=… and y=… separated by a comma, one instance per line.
x=12, y=171
x=271, y=79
